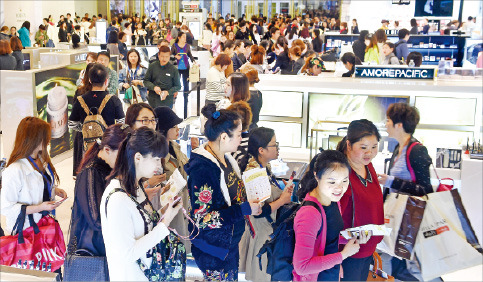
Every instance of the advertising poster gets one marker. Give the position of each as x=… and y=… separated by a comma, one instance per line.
x=54, y=90
x=346, y=108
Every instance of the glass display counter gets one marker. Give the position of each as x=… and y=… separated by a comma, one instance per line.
x=293, y=105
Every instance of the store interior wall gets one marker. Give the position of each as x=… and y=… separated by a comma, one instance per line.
x=369, y=13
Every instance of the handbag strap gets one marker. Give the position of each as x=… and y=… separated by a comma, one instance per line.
x=190, y=236
x=377, y=261
x=408, y=163
x=19, y=224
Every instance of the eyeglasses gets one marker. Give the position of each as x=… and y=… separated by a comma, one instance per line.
x=148, y=121
x=277, y=145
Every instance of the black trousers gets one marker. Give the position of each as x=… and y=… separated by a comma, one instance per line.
x=356, y=269
x=184, y=75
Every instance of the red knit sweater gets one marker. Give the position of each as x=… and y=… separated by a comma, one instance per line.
x=369, y=208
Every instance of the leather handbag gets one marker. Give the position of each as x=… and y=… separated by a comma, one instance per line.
x=375, y=271
x=42, y=244
x=82, y=265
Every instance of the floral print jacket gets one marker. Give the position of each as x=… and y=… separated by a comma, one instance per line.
x=211, y=208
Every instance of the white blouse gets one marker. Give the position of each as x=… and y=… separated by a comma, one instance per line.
x=123, y=232
x=21, y=185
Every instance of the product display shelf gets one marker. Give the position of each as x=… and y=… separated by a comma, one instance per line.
x=447, y=46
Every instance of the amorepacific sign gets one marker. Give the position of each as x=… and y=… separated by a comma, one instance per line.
x=395, y=72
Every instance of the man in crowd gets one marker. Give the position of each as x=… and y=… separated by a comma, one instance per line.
x=112, y=112
x=242, y=32
x=104, y=58
x=162, y=80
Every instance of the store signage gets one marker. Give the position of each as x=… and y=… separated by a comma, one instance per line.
x=80, y=57
x=395, y=72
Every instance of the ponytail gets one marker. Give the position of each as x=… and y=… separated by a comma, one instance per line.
x=318, y=166
x=342, y=145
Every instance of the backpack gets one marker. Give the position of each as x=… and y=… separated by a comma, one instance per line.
x=94, y=125
x=281, y=245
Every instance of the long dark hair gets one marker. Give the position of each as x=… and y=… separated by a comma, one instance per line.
x=259, y=137
x=219, y=122
x=26, y=24
x=240, y=87
x=86, y=83
x=139, y=58
x=357, y=130
x=133, y=112
x=328, y=159
x=144, y=141
x=112, y=138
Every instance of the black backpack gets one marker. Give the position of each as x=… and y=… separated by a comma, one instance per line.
x=280, y=247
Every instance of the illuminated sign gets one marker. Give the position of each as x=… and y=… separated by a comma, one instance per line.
x=395, y=72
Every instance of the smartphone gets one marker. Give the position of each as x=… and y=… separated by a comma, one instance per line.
x=292, y=176
x=61, y=200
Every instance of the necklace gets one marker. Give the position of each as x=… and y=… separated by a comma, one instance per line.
x=214, y=154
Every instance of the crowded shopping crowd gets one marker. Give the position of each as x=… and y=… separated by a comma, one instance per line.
x=143, y=206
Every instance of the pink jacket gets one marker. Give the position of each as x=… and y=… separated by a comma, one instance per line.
x=309, y=259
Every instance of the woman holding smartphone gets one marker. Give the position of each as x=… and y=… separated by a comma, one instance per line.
x=130, y=225
x=30, y=177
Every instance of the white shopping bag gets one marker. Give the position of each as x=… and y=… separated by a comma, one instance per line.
x=403, y=214
x=446, y=241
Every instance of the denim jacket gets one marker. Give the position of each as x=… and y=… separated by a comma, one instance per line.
x=139, y=75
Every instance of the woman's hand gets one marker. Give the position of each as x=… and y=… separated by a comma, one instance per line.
x=156, y=179
x=48, y=206
x=60, y=192
x=171, y=212
x=350, y=249
x=364, y=237
x=256, y=208
x=195, y=143
x=286, y=196
x=382, y=178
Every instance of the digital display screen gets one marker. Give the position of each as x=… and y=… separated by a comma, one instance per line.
x=433, y=8
x=26, y=61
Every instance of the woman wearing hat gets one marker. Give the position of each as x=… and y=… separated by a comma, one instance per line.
x=168, y=126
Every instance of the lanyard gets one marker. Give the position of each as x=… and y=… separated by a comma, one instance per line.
x=272, y=178
x=50, y=184
x=133, y=73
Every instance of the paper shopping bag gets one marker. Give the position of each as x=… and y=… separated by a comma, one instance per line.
x=446, y=241
x=403, y=214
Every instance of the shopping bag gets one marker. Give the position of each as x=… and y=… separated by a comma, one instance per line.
x=375, y=270
x=42, y=243
x=446, y=241
x=403, y=214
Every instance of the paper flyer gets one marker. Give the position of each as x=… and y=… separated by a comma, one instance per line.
x=257, y=185
x=377, y=230
x=177, y=183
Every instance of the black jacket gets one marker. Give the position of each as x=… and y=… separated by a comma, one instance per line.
x=112, y=112
x=317, y=45
x=63, y=35
x=359, y=48
x=19, y=58
x=85, y=227
x=420, y=162
x=256, y=103
x=237, y=63
x=7, y=62
x=294, y=67
x=282, y=61
x=215, y=219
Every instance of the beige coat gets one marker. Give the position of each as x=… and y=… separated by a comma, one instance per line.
x=249, y=247
x=170, y=164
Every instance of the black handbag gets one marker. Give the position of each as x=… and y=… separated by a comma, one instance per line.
x=82, y=265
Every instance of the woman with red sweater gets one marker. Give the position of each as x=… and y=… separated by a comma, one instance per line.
x=362, y=202
x=317, y=226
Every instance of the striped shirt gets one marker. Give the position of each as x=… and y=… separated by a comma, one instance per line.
x=215, y=84
x=399, y=170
